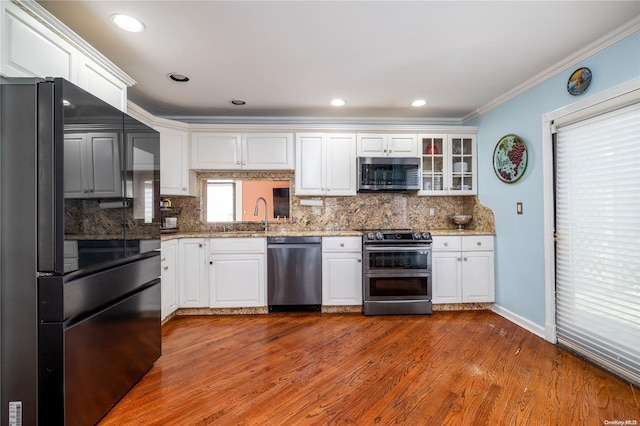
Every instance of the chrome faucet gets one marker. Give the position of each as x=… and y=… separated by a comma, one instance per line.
x=255, y=212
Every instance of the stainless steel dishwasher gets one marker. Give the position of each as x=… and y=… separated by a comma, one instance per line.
x=294, y=273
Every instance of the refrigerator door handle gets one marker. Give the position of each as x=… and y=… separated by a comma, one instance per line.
x=50, y=179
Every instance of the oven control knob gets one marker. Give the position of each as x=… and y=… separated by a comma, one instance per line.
x=379, y=236
x=370, y=236
x=426, y=235
x=417, y=236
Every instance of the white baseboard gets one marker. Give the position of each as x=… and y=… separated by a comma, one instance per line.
x=518, y=320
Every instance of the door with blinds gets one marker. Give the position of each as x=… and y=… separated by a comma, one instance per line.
x=597, y=225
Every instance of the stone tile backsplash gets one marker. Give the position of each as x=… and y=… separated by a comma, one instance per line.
x=363, y=211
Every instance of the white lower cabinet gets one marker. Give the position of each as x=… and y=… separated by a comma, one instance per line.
x=194, y=291
x=463, y=269
x=169, y=271
x=341, y=271
x=237, y=273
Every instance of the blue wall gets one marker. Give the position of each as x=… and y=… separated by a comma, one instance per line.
x=520, y=286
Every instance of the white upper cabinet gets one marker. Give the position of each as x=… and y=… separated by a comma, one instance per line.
x=241, y=151
x=30, y=49
x=102, y=84
x=448, y=164
x=387, y=145
x=267, y=151
x=175, y=176
x=325, y=164
x=36, y=44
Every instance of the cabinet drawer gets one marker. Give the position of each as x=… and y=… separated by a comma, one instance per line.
x=237, y=245
x=341, y=244
x=447, y=243
x=477, y=242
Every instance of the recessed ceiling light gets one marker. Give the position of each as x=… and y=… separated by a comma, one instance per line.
x=338, y=102
x=418, y=103
x=128, y=23
x=237, y=102
x=180, y=78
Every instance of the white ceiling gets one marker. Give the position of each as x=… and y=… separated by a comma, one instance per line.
x=290, y=58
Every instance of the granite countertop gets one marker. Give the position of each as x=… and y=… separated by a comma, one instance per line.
x=311, y=233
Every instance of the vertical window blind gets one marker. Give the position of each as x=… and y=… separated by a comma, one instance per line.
x=597, y=183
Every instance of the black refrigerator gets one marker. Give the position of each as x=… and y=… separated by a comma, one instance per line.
x=79, y=253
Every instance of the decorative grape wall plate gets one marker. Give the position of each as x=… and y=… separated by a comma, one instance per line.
x=510, y=158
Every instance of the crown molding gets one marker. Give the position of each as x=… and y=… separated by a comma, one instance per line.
x=318, y=124
x=604, y=42
x=43, y=16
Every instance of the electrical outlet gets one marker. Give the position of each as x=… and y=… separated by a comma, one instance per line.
x=432, y=211
x=519, y=207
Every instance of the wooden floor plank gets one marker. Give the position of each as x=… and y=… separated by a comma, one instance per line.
x=472, y=368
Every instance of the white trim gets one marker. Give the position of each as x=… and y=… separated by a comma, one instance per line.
x=54, y=24
x=520, y=321
x=230, y=124
x=319, y=122
x=548, y=190
x=604, y=42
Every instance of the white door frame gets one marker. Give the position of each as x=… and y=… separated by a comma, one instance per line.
x=628, y=92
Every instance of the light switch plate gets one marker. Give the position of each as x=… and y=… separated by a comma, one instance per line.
x=519, y=207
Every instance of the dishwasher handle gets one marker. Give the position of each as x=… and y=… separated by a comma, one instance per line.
x=292, y=246
x=277, y=241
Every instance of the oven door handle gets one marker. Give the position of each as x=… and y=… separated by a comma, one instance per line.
x=387, y=248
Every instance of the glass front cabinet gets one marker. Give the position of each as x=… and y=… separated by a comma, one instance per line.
x=448, y=164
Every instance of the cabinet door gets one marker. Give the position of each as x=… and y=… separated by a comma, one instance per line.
x=309, y=173
x=447, y=277
x=29, y=49
x=175, y=176
x=216, y=151
x=193, y=284
x=267, y=151
x=75, y=164
x=169, y=265
x=105, y=177
x=98, y=81
x=478, y=276
x=403, y=145
x=237, y=280
x=340, y=164
x=371, y=145
x=461, y=166
x=433, y=149
x=341, y=279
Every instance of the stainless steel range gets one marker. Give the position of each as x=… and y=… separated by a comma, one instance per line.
x=396, y=272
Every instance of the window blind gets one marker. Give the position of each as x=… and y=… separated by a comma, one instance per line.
x=597, y=183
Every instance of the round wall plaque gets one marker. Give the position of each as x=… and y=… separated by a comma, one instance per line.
x=579, y=81
x=510, y=158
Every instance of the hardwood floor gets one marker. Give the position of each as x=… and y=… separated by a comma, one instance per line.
x=450, y=368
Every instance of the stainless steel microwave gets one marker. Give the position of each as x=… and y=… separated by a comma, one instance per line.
x=388, y=174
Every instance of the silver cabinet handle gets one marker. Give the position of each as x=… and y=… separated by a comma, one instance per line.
x=479, y=243
x=446, y=244
x=466, y=259
x=166, y=268
x=199, y=245
x=459, y=259
x=341, y=244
